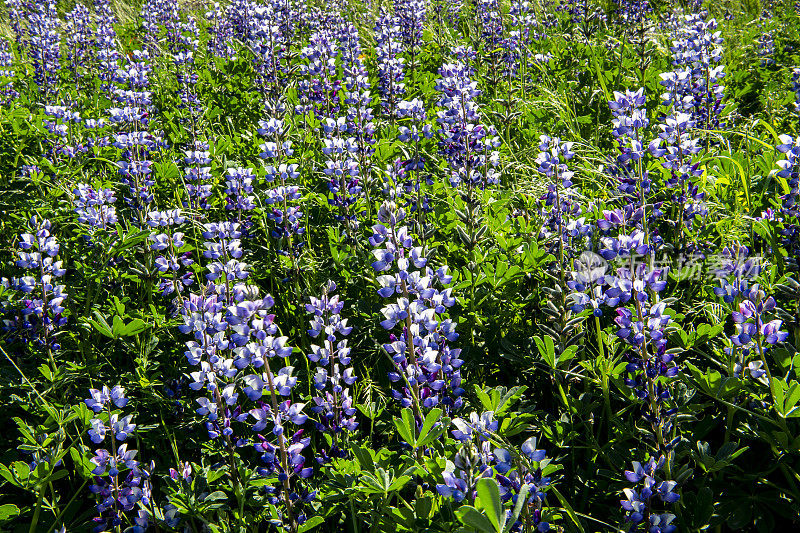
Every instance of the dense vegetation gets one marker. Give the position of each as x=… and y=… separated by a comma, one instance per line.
x=419, y=265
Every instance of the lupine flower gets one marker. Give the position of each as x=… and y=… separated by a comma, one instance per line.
x=120, y=482
x=7, y=92
x=333, y=375
x=415, y=134
x=638, y=505
x=284, y=213
x=460, y=476
x=43, y=301
x=220, y=30
x=468, y=147
x=790, y=204
x=79, y=40
x=198, y=175
x=320, y=84
x=528, y=471
x=94, y=208
x=171, y=247
x=45, y=45
x=105, y=39
x=390, y=65
x=424, y=362
x=342, y=171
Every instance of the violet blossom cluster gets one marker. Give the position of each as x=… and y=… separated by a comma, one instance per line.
x=468, y=146
x=411, y=16
x=511, y=469
x=135, y=141
x=62, y=125
x=391, y=75
x=172, y=254
x=754, y=334
x=95, y=208
x=641, y=318
x=414, y=131
x=561, y=207
x=474, y=459
x=240, y=198
x=44, y=45
x=197, y=175
x=320, y=84
x=79, y=41
x=43, y=301
x=638, y=505
x=694, y=87
x=269, y=45
x=334, y=373
x=790, y=201
x=358, y=97
x=425, y=366
x=630, y=122
x=677, y=148
x=220, y=31
x=105, y=39
x=235, y=344
x=120, y=482
x=7, y=92
x=342, y=171
x=284, y=212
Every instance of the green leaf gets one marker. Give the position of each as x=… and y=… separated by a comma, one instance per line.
x=430, y=419
x=101, y=325
x=216, y=495
x=489, y=494
x=404, y=428
x=399, y=483
x=134, y=327
x=522, y=497
x=568, y=509
x=311, y=523
x=8, y=510
x=470, y=517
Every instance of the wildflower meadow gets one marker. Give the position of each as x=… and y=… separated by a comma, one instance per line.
x=362, y=266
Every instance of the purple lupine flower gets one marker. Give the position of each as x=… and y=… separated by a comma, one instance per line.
x=639, y=501
x=43, y=300
x=410, y=17
x=426, y=366
x=7, y=92
x=79, y=42
x=120, y=482
x=239, y=190
x=413, y=113
x=342, y=171
x=460, y=476
x=512, y=476
x=790, y=202
x=478, y=426
x=95, y=208
x=391, y=74
x=319, y=84
x=269, y=38
x=101, y=399
x=198, y=175
x=334, y=373
x=234, y=334
x=220, y=30
x=468, y=146
x=105, y=39
x=172, y=250
x=44, y=46
x=285, y=214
